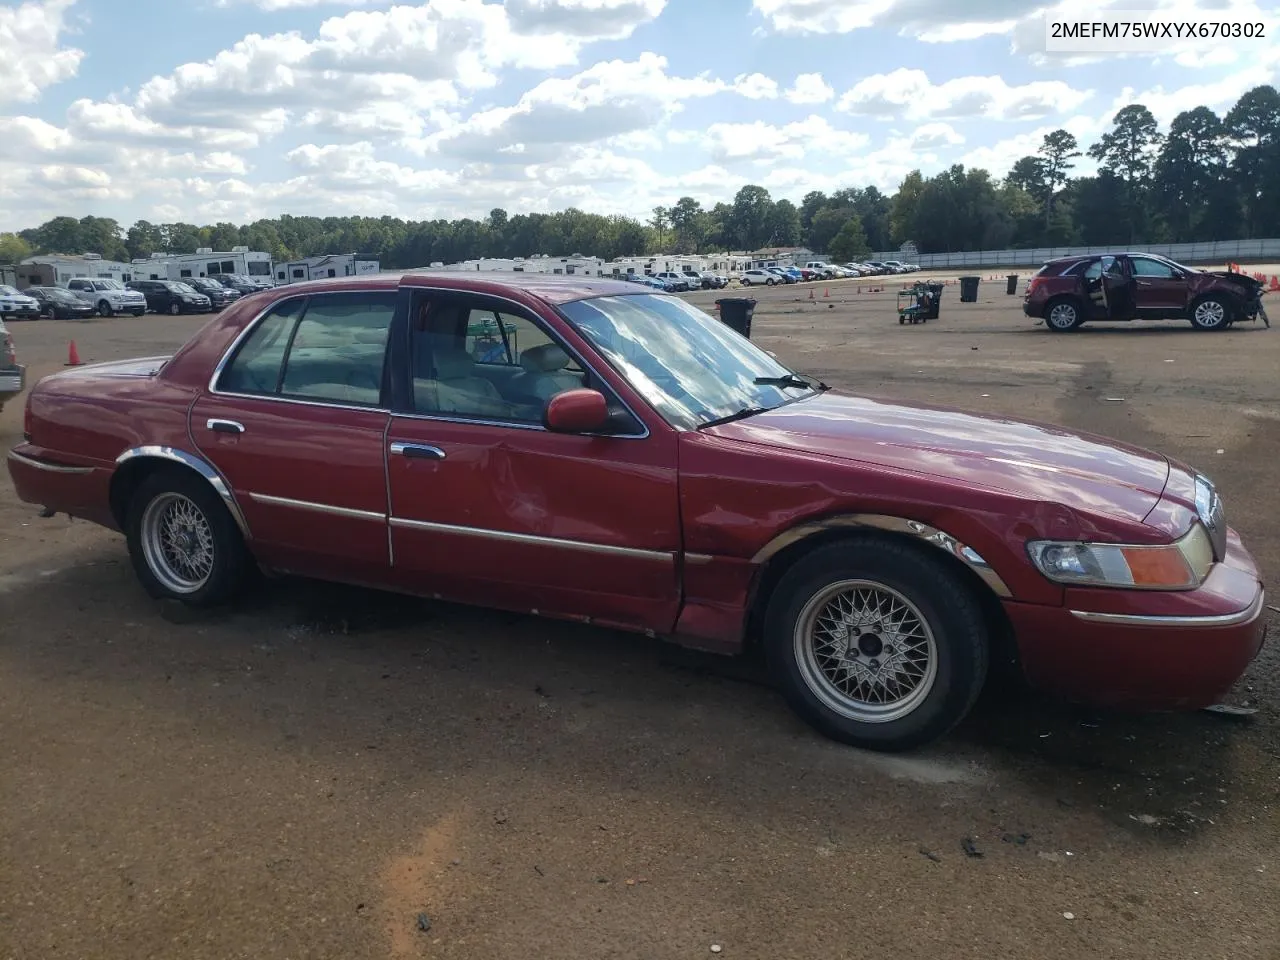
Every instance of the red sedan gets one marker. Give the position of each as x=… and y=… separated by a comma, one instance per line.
x=589, y=450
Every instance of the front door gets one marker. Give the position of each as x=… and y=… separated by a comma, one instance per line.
x=489, y=507
x=1118, y=288
x=297, y=424
x=1159, y=291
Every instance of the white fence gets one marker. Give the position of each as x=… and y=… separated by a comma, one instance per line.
x=1219, y=251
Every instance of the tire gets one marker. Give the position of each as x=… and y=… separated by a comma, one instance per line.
x=104, y=309
x=931, y=602
x=174, y=309
x=224, y=565
x=770, y=283
x=1212, y=312
x=1062, y=315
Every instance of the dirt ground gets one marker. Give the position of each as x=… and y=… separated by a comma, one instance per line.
x=323, y=771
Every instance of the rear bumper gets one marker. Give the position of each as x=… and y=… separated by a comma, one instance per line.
x=1147, y=651
x=73, y=486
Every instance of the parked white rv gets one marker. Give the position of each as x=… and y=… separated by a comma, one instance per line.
x=330, y=265
x=206, y=262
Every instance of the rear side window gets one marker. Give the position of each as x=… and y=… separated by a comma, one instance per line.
x=339, y=349
x=255, y=368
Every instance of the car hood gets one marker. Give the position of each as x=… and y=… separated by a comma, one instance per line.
x=1021, y=457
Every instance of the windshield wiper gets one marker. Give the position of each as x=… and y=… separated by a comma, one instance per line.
x=791, y=380
x=740, y=415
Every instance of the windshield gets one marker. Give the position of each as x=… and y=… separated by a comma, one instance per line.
x=691, y=367
x=108, y=285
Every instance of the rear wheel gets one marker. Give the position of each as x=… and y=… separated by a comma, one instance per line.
x=104, y=309
x=1211, y=313
x=1062, y=315
x=175, y=309
x=183, y=542
x=876, y=644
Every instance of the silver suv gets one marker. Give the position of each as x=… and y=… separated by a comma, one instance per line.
x=108, y=297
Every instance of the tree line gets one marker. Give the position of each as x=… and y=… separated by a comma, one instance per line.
x=1208, y=177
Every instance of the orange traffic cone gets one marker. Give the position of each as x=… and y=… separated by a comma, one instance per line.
x=73, y=356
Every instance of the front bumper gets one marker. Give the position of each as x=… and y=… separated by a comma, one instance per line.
x=1147, y=650
x=12, y=380
x=25, y=311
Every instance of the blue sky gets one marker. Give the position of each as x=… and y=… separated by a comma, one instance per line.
x=211, y=110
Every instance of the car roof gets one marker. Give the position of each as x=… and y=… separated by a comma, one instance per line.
x=552, y=288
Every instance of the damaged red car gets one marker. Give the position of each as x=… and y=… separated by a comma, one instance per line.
x=584, y=449
x=1122, y=287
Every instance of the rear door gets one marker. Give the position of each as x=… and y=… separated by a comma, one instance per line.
x=296, y=421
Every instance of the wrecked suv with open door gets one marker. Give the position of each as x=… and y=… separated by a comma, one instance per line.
x=1138, y=286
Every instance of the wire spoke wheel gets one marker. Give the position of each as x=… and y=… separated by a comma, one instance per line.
x=178, y=543
x=866, y=651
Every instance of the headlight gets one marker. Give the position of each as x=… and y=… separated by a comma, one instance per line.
x=1176, y=566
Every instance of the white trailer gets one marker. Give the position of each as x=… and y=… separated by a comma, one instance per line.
x=206, y=262
x=330, y=265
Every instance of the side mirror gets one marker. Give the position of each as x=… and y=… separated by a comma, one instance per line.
x=577, y=411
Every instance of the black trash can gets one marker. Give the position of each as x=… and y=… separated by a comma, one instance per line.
x=736, y=312
x=969, y=289
x=934, y=293
x=1012, y=288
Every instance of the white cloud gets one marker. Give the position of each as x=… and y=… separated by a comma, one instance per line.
x=609, y=99
x=31, y=51
x=593, y=19
x=909, y=93
x=272, y=6
x=756, y=86
x=734, y=142
x=810, y=88
x=930, y=136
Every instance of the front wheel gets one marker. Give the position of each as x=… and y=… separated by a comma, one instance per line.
x=1211, y=313
x=876, y=644
x=183, y=542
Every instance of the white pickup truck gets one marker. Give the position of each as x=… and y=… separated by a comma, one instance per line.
x=108, y=297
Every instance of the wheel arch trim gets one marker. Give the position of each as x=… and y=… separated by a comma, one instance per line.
x=192, y=462
x=923, y=532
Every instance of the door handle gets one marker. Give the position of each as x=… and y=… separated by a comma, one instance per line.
x=417, y=451
x=225, y=426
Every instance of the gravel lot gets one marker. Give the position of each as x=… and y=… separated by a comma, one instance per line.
x=307, y=775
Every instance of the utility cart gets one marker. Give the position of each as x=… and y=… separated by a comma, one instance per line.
x=919, y=302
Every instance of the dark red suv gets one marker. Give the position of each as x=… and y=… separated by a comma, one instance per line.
x=1138, y=286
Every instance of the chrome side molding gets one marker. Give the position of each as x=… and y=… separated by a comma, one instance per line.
x=200, y=466
x=871, y=521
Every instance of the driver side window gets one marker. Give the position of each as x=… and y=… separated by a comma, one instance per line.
x=1142, y=267
x=475, y=362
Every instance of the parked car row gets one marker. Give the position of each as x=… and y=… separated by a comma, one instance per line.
x=672, y=282
x=84, y=297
